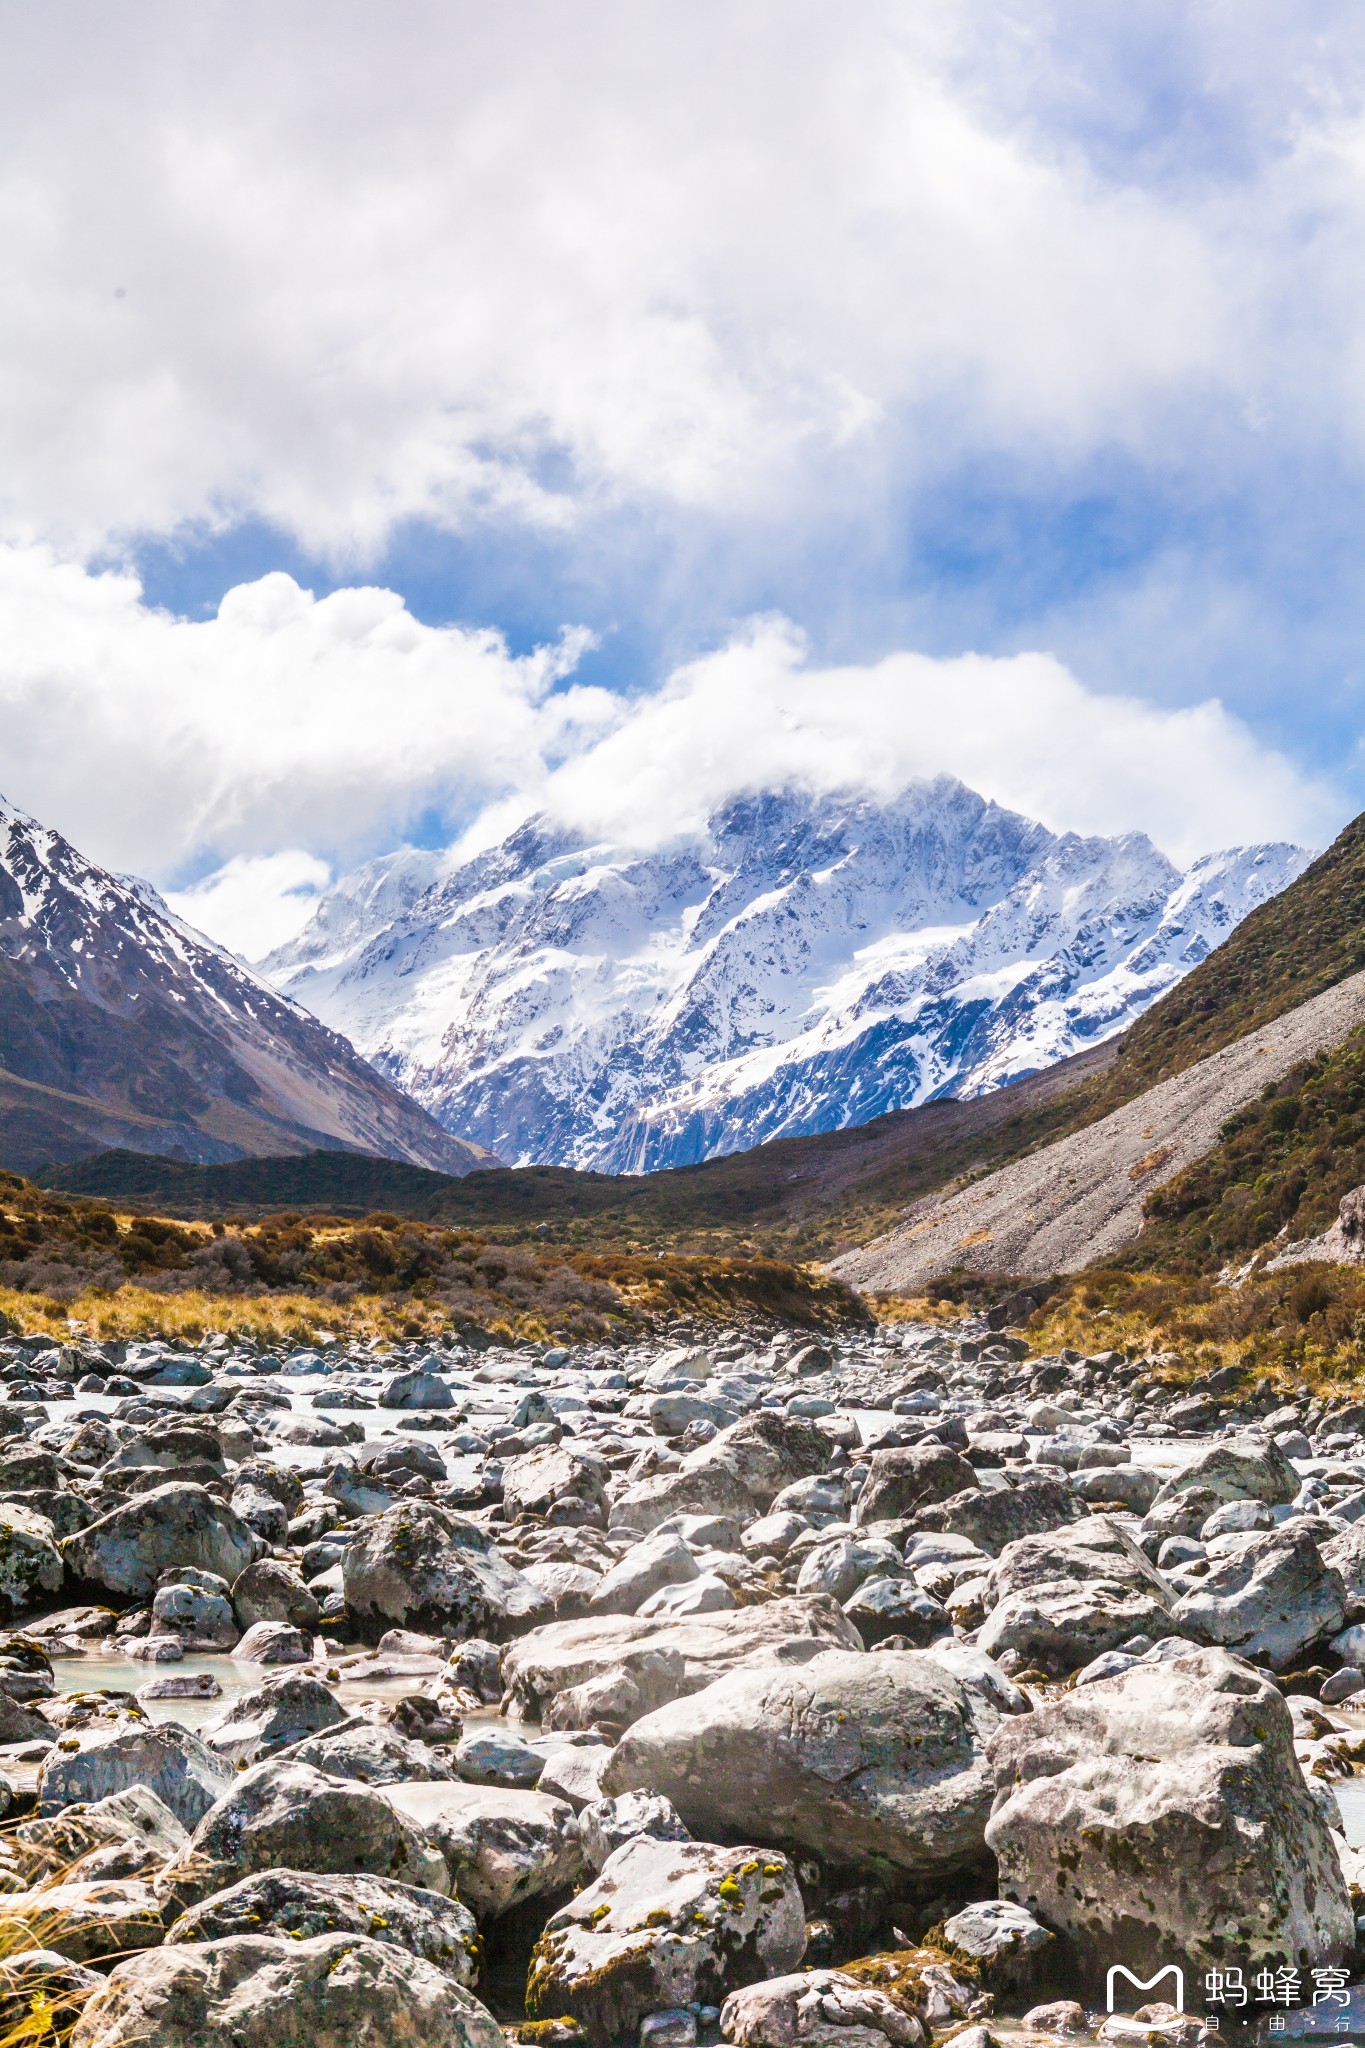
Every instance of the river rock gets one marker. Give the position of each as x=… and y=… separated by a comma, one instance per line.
x=1268, y=1601
x=817, y=2009
x=869, y=1762
x=553, y=1481
x=127, y=1550
x=766, y=1452
x=665, y=1925
x=270, y=1590
x=1237, y=1470
x=499, y=1847
x=373, y=1755
x=84, y=1920
x=199, y=1616
x=282, y=1711
x=1160, y=1816
x=901, y=1483
x=1061, y=1599
x=991, y=1518
x=305, y=1903
x=713, y=1489
x=257, y=1991
x=30, y=1562
x=167, y=1759
x=420, y=1566
x=660, y=1560
x=608, y=1824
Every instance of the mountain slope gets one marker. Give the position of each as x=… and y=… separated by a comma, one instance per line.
x=1081, y=1200
x=119, y=1025
x=803, y=965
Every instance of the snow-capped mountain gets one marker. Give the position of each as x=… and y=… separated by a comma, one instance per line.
x=805, y=963
x=122, y=1026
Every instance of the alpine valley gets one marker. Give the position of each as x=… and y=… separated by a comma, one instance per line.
x=802, y=964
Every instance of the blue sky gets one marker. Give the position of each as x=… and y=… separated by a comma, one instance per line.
x=1026, y=331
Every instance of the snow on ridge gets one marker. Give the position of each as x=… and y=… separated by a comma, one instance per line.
x=803, y=963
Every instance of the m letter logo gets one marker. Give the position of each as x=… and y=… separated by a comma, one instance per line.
x=1149, y=1984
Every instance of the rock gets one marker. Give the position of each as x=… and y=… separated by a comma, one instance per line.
x=671, y=1413
x=40, y=1973
x=1003, y=1940
x=126, y=1551
x=1064, y=2016
x=283, y=1814
x=372, y=1756
x=84, y=1920
x=660, y=1560
x=990, y=1519
x=124, y=1835
x=554, y=1482
x=270, y=1590
x=306, y=1903
x=1160, y=1816
x=167, y=1759
x=170, y=1447
x=665, y=1924
x=1239, y=1470
x=256, y=1991
x=868, y=1762
x=499, y=1847
x=662, y=1659
x=420, y=1566
x=714, y=1489
x=822, y=2008
x=766, y=1452
x=273, y=1642
x=900, y=1484
x=896, y=1607
x=30, y=1562
x=261, y=1512
x=477, y=1666
x=608, y=1824
x=774, y=1534
x=1059, y=1600
x=568, y=1587
x=282, y=1711
x=494, y=1756
x=1133, y=1487
x=202, y=1618
x=840, y=1566
x=706, y=1594
x=575, y=1773
x=1268, y=1601
x=415, y=1390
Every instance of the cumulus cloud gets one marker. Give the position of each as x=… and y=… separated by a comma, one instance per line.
x=243, y=757
x=511, y=263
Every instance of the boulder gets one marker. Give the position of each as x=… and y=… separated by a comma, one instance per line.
x=498, y=1847
x=608, y=1824
x=817, y=2009
x=1059, y=1600
x=265, y=1516
x=306, y=1903
x=167, y=1759
x=83, y=1920
x=127, y=1550
x=1133, y=1487
x=663, y=1659
x=1002, y=1941
x=873, y=1763
x=372, y=1756
x=1268, y=1601
x=258, y=1991
x=1160, y=1817
x=420, y=1566
x=840, y=1566
x=1237, y=1470
x=126, y=1834
x=714, y=1489
x=660, y=1560
x=282, y=1711
x=553, y=1480
x=30, y=1562
x=201, y=1617
x=273, y=1642
x=900, y=1483
x=270, y=1590
x=665, y=1925
x=169, y=1447
x=282, y=1814
x=992, y=1517
x=415, y=1390
x=885, y=1607
x=765, y=1451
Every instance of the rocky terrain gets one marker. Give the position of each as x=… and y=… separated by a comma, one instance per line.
x=1081, y=1199
x=120, y=1025
x=776, y=1690
x=802, y=964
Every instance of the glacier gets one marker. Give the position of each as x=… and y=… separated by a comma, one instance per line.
x=803, y=962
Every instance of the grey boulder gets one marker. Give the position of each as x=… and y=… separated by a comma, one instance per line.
x=499, y=1847
x=305, y=1903
x=1268, y=1601
x=1059, y=1600
x=127, y=1550
x=421, y=1567
x=167, y=1759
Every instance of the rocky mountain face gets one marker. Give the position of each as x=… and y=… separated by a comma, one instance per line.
x=119, y=1025
x=803, y=964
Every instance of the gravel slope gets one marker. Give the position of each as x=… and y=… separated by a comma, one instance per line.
x=1081, y=1199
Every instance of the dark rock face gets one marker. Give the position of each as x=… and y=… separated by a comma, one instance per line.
x=121, y=1026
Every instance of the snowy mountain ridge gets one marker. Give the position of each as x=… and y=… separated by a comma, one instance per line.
x=803, y=963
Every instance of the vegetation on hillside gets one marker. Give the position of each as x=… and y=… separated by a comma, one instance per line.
x=102, y=1266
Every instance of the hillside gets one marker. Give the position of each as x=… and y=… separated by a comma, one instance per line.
x=800, y=1197
x=120, y=1025
x=1080, y=1200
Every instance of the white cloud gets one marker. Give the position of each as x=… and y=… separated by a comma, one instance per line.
x=288, y=733
x=337, y=273
x=254, y=902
